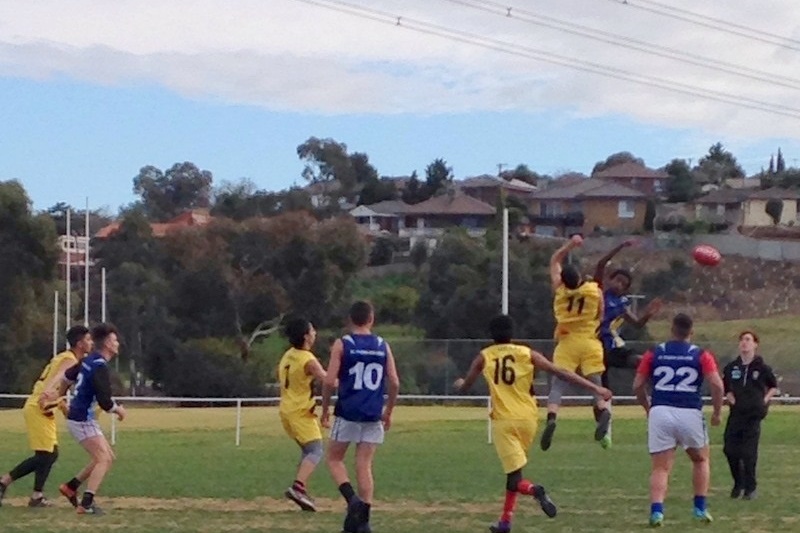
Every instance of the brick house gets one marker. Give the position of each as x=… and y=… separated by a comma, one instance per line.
x=193, y=218
x=635, y=176
x=488, y=189
x=585, y=206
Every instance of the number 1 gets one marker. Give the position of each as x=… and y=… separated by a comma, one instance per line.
x=286, y=380
x=581, y=302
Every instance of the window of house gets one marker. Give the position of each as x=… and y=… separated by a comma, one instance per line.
x=658, y=186
x=469, y=222
x=720, y=209
x=626, y=209
x=549, y=209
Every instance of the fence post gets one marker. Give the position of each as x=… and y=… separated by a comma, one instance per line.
x=113, y=429
x=238, y=422
x=489, y=424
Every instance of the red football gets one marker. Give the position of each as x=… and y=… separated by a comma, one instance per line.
x=706, y=255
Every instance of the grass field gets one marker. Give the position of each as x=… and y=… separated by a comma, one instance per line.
x=178, y=470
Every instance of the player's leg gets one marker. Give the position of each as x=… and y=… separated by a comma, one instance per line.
x=563, y=357
x=694, y=437
x=659, y=482
x=91, y=439
x=593, y=366
x=752, y=436
x=343, y=432
x=733, y=453
x=42, y=439
x=306, y=432
x=24, y=468
x=70, y=489
x=372, y=435
x=42, y=472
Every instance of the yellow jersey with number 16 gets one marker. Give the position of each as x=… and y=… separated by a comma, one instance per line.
x=578, y=311
x=297, y=390
x=508, y=371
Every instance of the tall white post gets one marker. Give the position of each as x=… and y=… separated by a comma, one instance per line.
x=68, y=310
x=55, y=323
x=103, y=294
x=86, y=270
x=238, y=422
x=505, y=263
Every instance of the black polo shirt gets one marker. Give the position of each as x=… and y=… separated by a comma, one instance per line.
x=749, y=384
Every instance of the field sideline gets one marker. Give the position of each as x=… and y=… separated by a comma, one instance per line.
x=179, y=470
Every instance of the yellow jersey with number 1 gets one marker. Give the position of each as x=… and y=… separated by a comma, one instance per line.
x=578, y=311
x=508, y=371
x=48, y=373
x=297, y=387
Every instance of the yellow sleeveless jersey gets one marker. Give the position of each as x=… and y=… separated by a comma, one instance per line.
x=508, y=370
x=578, y=311
x=297, y=391
x=48, y=373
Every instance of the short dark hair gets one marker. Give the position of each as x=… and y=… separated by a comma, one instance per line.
x=501, y=329
x=296, y=330
x=360, y=313
x=623, y=272
x=75, y=334
x=749, y=332
x=102, y=331
x=571, y=276
x=682, y=325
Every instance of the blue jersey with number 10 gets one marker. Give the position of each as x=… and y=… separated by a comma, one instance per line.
x=676, y=371
x=362, y=381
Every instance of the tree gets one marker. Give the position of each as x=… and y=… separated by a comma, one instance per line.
x=241, y=200
x=523, y=173
x=616, y=159
x=774, y=209
x=167, y=194
x=419, y=254
x=717, y=166
x=780, y=165
x=680, y=185
x=414, y=193
x=328, y=163
x=438, y=177
x=649, y=215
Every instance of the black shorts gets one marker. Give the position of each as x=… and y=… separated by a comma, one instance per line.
x=621, y=357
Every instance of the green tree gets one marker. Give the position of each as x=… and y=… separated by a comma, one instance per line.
x=616, y=159
x=717, y=166
x=167, y=194
x=438, y=177
x=774, y=209
x=419, y=254
x=414, y=191
x=681, y=186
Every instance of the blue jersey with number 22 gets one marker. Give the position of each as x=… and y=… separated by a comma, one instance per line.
x=362, y=381
x=675, y=370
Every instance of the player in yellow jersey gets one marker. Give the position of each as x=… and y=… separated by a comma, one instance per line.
x=578, y=309
x=508, y=369
x=41, y=421
x=297, y=371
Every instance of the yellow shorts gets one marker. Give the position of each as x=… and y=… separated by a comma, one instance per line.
x=512, y=439
x=42, y=431
x=579, y=353
x=302, y=427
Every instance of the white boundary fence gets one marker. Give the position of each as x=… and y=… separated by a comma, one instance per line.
x=402, y=399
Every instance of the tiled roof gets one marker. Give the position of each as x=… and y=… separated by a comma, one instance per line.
x=451, y=203
x=630, y=170
x=588, y=188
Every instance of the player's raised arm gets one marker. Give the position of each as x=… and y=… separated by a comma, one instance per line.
x=711, y=373
x=558, y=257
x=541, y=362
x=643, y=373
x=462, y=385
x=600, y=269
x=393, y=386
x=650, y=311
x=329, y=383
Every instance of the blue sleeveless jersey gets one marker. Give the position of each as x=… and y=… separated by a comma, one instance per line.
x=614, y=308
x=676, y=372
x=81, y=406
x=362, y=382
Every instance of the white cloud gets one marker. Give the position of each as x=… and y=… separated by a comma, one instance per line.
x=285, y=55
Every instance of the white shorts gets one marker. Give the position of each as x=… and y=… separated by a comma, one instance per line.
x=670, y=427
x=84, y=430
x=357, y=432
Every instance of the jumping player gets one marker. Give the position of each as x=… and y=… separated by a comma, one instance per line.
x=578, y=309
x=297, y=371
x=674, y=371
x=508, y=369
x=364, y=366
x=41, y=421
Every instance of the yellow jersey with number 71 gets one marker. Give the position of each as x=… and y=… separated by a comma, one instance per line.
x=578, y=311
x=297, y=387
x=508, y=371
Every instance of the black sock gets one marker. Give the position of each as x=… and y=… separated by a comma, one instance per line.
x=346, y=489
x=74, y=484
x=367, y=507
x=88, y=499
x=551, y=417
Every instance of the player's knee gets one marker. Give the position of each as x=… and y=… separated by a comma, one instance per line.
x=312, y=452
x=512, y=480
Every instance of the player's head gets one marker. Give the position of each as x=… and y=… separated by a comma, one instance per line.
x=682, y=326
x=106, y=339
x=620, y=281
x=571, y=276
x=748, y=342
x=301, y=333
x=501, y=329
x=361, y=314
x=79, y=339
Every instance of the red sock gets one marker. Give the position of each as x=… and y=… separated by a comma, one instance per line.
x=508, y=506
x=525, y=487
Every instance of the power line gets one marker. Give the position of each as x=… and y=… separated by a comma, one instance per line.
x=549, y=57
x=630, y=43
x=711, y=22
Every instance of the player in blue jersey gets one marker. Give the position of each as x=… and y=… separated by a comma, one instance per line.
x=92, y=386
x=364, y=367
x=674, y=372
x=616, y=312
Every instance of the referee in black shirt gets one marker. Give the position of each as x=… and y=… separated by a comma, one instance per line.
x=749, y=387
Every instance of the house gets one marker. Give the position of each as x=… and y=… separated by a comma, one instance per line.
x=743, y=183
x=635, y=176
x=754, y=207
x=428, y=220
x=386, y=216
x=721, y=205
x=489, y=189
x=193, y=218
x=586, y=205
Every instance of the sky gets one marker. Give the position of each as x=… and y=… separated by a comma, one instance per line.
x=93, y=90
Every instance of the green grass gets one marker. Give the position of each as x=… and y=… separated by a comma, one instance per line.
x=178, y=470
